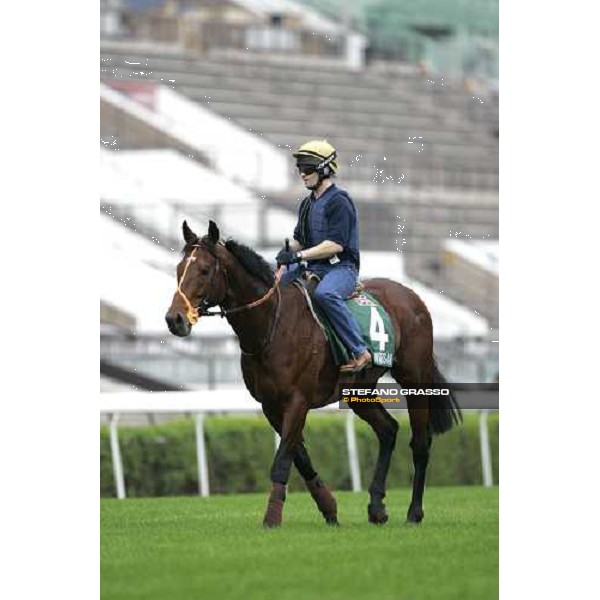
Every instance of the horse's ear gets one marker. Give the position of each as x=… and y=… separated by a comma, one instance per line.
x=188, y=235
x=213, y=232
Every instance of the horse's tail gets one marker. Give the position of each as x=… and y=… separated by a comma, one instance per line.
x=446, y=413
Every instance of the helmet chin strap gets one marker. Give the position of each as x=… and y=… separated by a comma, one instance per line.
x=317, y=185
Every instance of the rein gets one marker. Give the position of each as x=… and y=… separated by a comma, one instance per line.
x=223, y=313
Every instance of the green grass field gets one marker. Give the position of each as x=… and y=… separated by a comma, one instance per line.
x=205, y=548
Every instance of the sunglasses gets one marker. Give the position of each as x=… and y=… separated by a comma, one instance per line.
x=306, y=169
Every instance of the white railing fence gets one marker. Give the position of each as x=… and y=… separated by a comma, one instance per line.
x=235, y=401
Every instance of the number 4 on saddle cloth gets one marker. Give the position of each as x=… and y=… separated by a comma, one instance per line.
x=375, y=327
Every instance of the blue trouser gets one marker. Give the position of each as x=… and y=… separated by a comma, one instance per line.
x=337, y=283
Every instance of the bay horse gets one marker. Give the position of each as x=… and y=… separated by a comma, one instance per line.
x=288, y=367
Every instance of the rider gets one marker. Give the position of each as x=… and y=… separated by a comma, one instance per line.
x=326, y=237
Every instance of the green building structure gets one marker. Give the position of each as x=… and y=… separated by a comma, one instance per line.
x=454, y=37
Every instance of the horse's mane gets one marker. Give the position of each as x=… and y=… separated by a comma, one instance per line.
x=255, y=264
x=251, y=261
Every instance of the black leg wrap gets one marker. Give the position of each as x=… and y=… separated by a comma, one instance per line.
x=377, y=513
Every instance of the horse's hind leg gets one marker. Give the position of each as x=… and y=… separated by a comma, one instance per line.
x=420, y=443
x=386, y=429
x=319, y=491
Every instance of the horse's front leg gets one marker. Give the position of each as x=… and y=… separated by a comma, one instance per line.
x=294, y=417
x=320, y=493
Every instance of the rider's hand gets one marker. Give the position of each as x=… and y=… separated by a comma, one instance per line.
x=287, y=257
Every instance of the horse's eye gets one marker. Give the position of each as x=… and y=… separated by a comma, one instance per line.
x=204, y=271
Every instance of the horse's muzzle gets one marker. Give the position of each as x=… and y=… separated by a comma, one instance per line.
x=178, y=324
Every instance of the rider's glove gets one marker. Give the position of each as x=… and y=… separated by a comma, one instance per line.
x=287, y=257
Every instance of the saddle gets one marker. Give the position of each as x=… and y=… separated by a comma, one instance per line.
x=309, y=280
x=307, y=283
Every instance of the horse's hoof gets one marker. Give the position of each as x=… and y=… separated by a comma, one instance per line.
x=377, y=514
x=274, y=513
x=332, y=521
x=414, y=516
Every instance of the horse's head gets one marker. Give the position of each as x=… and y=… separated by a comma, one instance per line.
x=200, y=280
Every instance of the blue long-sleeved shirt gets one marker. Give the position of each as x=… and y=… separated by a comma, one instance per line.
x=331, y=217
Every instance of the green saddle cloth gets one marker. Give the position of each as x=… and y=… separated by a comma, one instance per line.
x=375, y=327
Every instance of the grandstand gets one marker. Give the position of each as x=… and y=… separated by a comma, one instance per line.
x=201, y=103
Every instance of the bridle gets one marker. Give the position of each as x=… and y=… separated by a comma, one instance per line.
x=194, y=313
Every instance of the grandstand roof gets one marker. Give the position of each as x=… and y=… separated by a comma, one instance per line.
x=450, y=319
x=116, y=183
x=484, y=254
x=121, y=237
x=173, y=176
x=231, y=150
